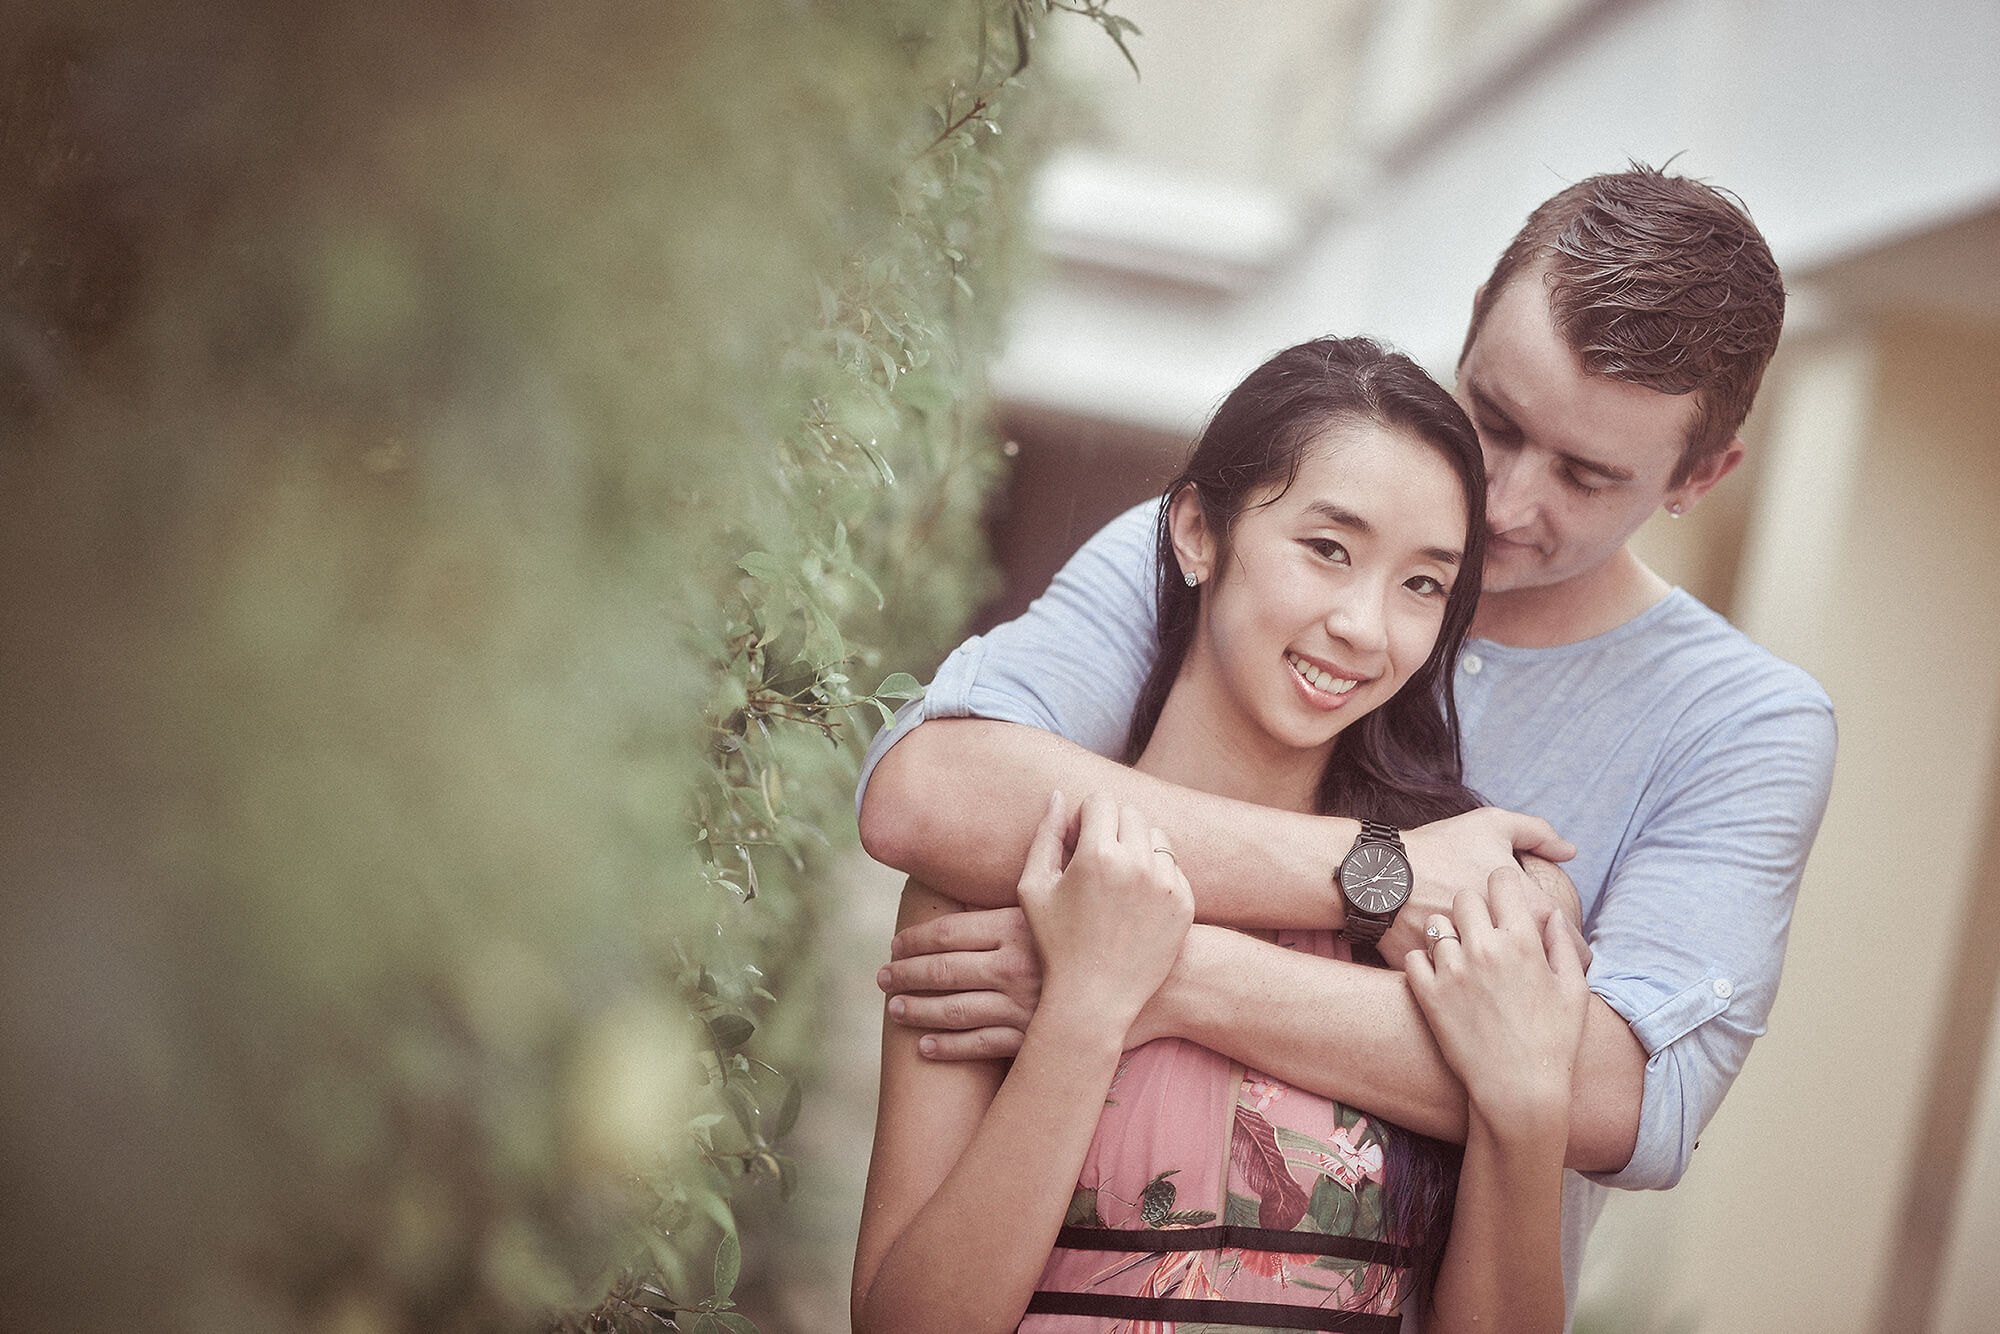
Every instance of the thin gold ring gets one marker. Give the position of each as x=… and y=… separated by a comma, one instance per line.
x=1170, y=855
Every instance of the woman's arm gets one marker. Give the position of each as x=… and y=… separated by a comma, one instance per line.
x=970, y=1182
x=1506, y=1003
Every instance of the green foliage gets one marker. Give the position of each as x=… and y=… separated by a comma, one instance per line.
x=469, y=478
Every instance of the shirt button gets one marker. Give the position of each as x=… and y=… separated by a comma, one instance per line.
x=1723, y=990
x=1472, y=663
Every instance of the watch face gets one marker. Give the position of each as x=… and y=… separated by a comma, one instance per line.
x=1375, y=878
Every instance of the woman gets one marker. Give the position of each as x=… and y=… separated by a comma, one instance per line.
x=1319, y=558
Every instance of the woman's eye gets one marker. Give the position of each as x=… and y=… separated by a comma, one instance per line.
x=1426, y=585
x=1327, y=548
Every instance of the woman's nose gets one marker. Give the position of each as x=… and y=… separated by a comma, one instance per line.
x=1359, y=620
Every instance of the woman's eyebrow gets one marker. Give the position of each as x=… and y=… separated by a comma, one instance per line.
x=1342, y=517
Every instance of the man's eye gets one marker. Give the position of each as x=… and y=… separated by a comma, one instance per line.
x=1581, y=483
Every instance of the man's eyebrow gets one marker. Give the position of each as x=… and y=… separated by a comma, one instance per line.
x=1342, y=517
x=1489, y=408
x=1604, y=470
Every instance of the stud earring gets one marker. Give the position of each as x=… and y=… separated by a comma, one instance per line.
x=1675, y=510
x=1191, y=577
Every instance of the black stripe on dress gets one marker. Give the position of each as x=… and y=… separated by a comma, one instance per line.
x=1260, y=1315
x=1244, y=1238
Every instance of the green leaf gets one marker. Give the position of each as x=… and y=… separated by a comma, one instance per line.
x=788, y=1111
x=900, y=685
x=763, y=565
x=735, y=1322
x=728, y=1264
x=668, y=1261
x=745, y=1107
x=730, y=1031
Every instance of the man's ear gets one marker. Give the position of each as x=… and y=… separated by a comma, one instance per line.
x=1187, y=526
x=1717, y=467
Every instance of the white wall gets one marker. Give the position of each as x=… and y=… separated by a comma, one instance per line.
x=1842, y=124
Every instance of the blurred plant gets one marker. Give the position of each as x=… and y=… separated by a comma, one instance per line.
x=461, y=466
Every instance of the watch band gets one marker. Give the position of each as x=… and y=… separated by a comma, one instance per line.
x=1374, y=831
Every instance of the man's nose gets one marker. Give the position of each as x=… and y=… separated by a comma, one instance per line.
x=1508, y=504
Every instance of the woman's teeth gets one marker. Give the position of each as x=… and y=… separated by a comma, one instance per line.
x=1333, y=685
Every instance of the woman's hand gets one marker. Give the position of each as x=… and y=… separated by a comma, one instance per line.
x=1108, y=922
x=1505, y=997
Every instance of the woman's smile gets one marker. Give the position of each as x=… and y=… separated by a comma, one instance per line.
x=1320, y=685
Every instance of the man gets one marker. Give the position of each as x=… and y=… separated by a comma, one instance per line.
x=1612, y=356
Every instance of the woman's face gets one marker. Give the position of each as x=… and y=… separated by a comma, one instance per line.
x=1324, y=601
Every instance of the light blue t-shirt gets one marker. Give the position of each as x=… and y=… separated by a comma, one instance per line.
x=1689, y=766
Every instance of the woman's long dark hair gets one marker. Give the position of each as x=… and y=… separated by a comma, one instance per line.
x=1399, y=764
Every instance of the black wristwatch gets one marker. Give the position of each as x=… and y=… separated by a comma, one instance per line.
x=1374, y=880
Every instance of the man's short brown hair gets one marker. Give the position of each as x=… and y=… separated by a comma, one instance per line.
x=1655, y=280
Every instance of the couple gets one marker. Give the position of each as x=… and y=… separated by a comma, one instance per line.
x=1612, y=355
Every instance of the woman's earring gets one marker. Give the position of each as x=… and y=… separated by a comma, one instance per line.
x=1191, y=577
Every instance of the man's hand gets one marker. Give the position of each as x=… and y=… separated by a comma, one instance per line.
x=1450, y=857
x=986, y=976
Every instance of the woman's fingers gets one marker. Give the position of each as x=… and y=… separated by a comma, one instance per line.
x=1045, y=850
x=1132, y=828
x=1097, y=828
x=1568, y=955
x=1508, y=897
x=1470, y=913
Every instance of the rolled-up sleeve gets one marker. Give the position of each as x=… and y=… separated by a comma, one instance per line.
x=1072, y=664
x=1689, y=935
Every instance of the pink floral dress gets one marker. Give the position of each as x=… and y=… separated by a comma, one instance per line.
x=1215, y=1197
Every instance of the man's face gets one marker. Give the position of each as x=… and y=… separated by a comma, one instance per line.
x=1574, y=462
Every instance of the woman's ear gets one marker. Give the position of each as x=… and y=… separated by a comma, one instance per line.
x=1187, y=526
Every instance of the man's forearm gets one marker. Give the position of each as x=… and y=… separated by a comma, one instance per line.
x=1354, y=1033
x=956, y=801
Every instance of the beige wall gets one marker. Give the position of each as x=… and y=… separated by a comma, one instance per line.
x=1871, y=560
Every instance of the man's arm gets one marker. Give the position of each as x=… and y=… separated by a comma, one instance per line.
x=956, y=801
x=1342, y=1030
x=1690, y=930
x=1355, y=1033
x=952, y=793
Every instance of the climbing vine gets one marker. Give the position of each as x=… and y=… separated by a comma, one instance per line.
x=472, y=477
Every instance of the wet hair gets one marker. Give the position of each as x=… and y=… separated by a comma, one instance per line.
x=1400, y=763
x=1655, y=280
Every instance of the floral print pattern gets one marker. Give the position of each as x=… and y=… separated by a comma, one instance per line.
x=1195, y=1141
